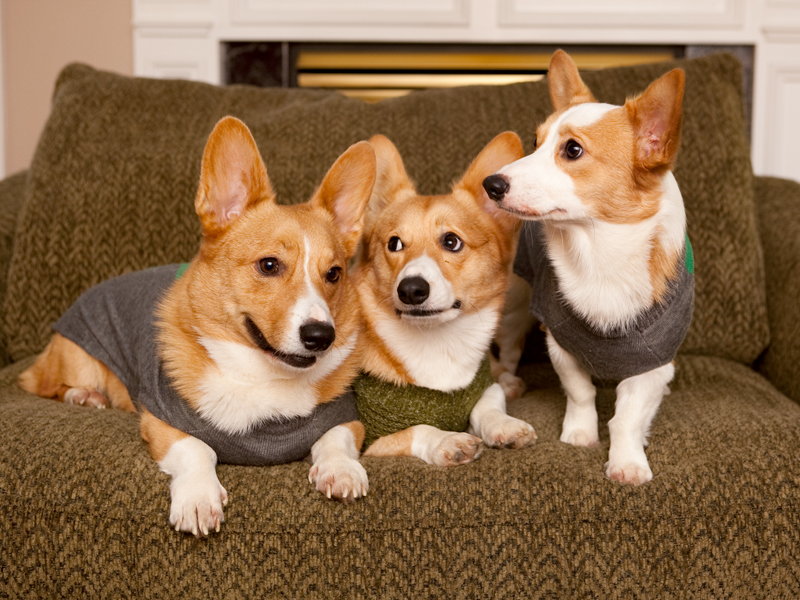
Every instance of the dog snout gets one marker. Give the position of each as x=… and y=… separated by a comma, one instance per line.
x=413, y=290
x=317, y=336
x=496, y=186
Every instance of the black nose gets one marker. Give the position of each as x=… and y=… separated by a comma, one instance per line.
x=317, y=336
x=413, y=290
x=496, y=186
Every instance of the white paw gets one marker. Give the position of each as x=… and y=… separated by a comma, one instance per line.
x=580, y=437
x=197, y=505
x=513, y=386
x=508, y=432
x=342, y=478
x=634, y=473
x=456, y=449
x=84, y=397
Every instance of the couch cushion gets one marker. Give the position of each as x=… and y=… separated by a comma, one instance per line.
x=112, y=184
x=84, y=510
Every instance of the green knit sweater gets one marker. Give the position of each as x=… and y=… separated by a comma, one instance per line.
x=385, y=408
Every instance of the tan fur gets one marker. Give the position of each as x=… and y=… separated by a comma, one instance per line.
x=397, y=444
x=490, y=236
x=357, y=429
x=222, y=284
x=63, y=365
x=158, y=435
x=620, y=181
x=478, y=274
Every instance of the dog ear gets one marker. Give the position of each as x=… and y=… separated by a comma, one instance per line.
x=566, y=86
x=391, y=180
x=656, y=117
x=345, y=192
x=233, y=177
x=501, y=151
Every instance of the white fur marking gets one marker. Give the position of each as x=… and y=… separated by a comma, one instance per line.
x=197, y=496
x=248, y=386
x=443, y=356
x=336, y=471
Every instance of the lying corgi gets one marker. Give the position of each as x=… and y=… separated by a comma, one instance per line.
x=432, y=279
x=245, y=355
x=606, y=253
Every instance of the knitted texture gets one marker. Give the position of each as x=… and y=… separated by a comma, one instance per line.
x=12, y=190
x=385, y=408
x=779, y=221
x=84, y=510
x=111, y=187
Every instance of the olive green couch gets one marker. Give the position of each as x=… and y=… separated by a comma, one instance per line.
x=84, y=509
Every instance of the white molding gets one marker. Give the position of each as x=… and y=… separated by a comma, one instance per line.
x=624, y=14
x=783, y=96
x=353, y=13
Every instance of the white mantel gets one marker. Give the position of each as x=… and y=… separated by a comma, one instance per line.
x=183, y=38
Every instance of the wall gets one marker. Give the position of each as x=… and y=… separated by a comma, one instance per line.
x=39, y=37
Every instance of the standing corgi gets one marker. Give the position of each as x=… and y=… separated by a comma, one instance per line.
x=432, y=281
x=606, y=253
x=243, y=356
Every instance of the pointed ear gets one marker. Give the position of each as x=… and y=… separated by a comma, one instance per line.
x=391, y=178
x=566, y=86
x=232, y=177
x=656, y=118
x=345, y=192
x=501, y=151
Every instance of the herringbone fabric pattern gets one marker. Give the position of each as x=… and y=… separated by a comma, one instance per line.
x=112, y=185
x=85, y=514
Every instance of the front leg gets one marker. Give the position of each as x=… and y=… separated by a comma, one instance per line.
x=580, y=420
x=638, y=399
x=336, y=471
x=434, y=446
x=489, y=421
x=197, y=496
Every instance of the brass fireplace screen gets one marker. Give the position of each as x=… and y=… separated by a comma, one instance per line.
x=374, y=72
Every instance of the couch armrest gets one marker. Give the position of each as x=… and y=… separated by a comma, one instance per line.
x=12, y=193
x=778, y=210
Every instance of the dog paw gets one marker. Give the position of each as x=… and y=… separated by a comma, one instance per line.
x=340, y=478
x=197, y=507
x=509, y=433
x=456, y=449
x=633, y=473
x=513, y=386
x=84, y=397
x=580, y=437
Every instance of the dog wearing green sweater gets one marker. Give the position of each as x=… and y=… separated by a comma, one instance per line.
x=432, y=278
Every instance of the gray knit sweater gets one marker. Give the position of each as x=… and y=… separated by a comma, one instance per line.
x=651, y=341
x=114, y=322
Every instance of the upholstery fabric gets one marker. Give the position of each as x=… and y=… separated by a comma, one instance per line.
x=84, y=510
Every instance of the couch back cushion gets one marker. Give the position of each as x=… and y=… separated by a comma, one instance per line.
x=111, y=187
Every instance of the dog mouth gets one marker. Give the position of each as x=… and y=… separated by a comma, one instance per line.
x=534, y=215
x=298, y=361
x=422, y=312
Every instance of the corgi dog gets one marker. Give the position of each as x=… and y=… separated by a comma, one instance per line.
x=432, y=278
x=246, y=354
x=605, y=250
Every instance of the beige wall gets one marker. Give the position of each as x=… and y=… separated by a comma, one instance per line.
x=39, y=37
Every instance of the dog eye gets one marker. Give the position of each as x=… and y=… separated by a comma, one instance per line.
x=395, y=244
x=268, y=266
x=535, y=141
x=573, y=150
x=333, y=275
x=452, y=242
